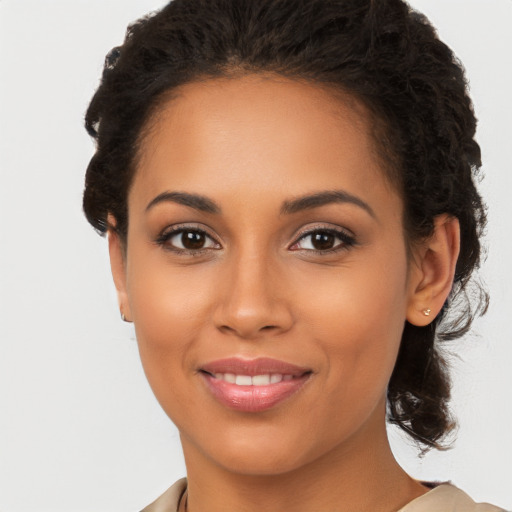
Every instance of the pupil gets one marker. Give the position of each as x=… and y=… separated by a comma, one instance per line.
x=192, y=240
x=322, y=241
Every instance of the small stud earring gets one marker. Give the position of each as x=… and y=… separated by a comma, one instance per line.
x=123, y=318
x=427, y=312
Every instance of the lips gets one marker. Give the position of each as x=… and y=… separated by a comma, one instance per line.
x=253, y=385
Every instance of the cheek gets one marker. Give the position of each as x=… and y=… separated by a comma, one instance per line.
x=357, y=320
x=166, y=299
x=168, y=313
x=169, y=307
x=365, y=295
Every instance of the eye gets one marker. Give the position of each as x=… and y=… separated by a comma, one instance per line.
x=187, y=240
x=324, y=240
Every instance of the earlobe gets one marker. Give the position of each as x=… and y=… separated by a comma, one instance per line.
x=431, y=279
x=118, y=267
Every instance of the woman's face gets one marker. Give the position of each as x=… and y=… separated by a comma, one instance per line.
x=265, y=272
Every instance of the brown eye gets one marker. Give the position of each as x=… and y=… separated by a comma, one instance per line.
x=193, y=240
x=322, y=240
x=187, y=240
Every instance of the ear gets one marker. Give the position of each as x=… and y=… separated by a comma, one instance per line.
x=432, y=271
x=118, y=267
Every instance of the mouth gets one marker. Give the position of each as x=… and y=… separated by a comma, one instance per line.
x=256, y=380
x=253, y=385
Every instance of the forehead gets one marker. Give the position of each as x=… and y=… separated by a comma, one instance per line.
x=265, y=132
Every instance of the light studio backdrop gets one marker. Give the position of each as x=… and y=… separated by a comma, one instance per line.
x=79, y=427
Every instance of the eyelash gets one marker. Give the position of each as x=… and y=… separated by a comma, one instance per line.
x=347, y=240
x=166, y=235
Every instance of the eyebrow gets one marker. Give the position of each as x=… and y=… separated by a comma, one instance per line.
x=195, y=201
x=307, y=202
x=323, y=198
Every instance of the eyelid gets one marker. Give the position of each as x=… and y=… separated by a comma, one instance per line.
x=169, y=231
x=346, y=236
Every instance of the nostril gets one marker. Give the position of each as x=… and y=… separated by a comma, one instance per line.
x=248, y=320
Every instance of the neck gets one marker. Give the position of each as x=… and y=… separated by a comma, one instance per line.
x=359, y=475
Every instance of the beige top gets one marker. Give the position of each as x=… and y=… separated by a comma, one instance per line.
x=443, y=498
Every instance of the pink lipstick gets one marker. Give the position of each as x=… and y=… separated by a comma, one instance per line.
x=253, y=385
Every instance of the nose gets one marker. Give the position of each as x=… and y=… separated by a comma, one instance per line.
x=252, y=302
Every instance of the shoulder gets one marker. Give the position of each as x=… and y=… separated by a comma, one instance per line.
x=443, y=498
x=447, y=498
x=169, y=500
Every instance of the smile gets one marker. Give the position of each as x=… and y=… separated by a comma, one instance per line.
x=257, y=380
x=253, y=386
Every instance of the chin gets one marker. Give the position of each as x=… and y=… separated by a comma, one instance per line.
x=259, y=462
x=258, y=451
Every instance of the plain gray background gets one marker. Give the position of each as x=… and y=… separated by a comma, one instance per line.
x=79, y=427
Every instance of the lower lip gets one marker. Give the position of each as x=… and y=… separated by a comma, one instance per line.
x=253, y=398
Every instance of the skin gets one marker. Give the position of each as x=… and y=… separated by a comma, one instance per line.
x=257, y=289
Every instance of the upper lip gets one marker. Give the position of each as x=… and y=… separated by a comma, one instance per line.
x=252, y=367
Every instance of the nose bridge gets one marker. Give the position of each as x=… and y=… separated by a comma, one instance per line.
x=253, y=300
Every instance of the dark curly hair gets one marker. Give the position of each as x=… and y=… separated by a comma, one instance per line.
x=379, y=51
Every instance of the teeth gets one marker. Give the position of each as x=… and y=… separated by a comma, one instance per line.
x=229, y=377
x=257, y=380
x=243, y=380
x=261, y=380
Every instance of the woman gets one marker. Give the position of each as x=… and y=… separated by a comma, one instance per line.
x=288, y=192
